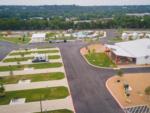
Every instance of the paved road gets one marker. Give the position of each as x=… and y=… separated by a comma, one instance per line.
x=87, y=83
x=5, y=48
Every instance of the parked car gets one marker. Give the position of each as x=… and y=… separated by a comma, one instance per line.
x=57, y=41
x=40, y=58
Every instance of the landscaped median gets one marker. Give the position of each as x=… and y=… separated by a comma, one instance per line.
x=99, y=59
x=95, y=55
x=17, y=40
x=35, y=66
x=33, y=77
x=28, y=58
x=59, y=111
x=35, y=94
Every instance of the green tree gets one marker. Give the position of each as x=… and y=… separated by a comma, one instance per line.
x=120, y=74
x=147, y=91
x=11, y=71
x=2, y=90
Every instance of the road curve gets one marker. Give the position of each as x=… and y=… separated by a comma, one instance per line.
x=87, y=83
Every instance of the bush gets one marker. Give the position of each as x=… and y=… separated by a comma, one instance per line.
x=2, y=90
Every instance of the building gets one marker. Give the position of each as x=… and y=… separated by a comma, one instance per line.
x=130, y=52
x=133, y=35
x=38, y=37
x=85, y=34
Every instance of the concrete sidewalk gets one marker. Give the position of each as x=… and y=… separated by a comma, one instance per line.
x=28, y=62
x=30, y=55
x=34, y=85
x=34, y=71
x=32, y=107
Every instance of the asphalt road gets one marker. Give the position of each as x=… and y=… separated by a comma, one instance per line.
x=87, y=84
x=5, y=48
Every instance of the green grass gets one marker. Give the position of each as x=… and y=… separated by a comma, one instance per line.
x=100, y=59
x=33, y=77
x=17, y=59
x=29, y=52
x=35, y=94
x=35, y=66
x=54, y=57
x=59, y=111
x=27, y=58
x=17, y=40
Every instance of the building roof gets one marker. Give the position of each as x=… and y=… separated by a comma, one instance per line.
x=135, y=49
x=39, y=35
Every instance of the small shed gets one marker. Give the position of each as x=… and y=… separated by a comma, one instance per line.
x=38, y=37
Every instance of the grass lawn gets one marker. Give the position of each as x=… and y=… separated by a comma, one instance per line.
x=35, y=94
x=39, y=51
x=59, y=111
x=17, y=59
x=100, y=59
x=17, y=40
x=35, y=66
x=54, y=57
x=33, y=77
x=27, y=58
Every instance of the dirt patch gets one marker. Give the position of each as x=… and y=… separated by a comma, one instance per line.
x=97, y=47
x=137, y=82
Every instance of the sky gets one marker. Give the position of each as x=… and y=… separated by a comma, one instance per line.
x=75, y=2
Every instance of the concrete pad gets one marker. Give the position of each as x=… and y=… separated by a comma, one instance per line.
x=47, y=105
x=24, y=81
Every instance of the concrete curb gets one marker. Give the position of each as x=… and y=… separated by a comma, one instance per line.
x=106, y=84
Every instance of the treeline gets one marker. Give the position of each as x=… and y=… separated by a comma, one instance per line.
x=80, y=12
x=59, y=23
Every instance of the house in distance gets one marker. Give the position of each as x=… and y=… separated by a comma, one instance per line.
x=38, y=37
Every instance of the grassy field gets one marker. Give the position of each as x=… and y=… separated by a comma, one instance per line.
x=36, y=94
x=33, y=77
x=27, y=58
x=17, y=40
x=39, y=51
x=100, y=59
x=35, y=66
x=59, y=111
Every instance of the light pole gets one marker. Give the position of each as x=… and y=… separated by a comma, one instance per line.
x=41, y=104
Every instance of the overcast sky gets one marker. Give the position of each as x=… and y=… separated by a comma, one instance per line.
x=77, y=2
